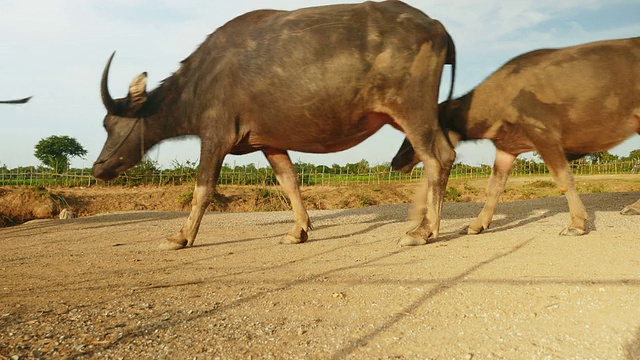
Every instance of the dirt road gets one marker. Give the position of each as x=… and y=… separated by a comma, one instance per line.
x=97, y=287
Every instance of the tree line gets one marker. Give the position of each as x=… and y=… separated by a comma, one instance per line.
x=55, y=153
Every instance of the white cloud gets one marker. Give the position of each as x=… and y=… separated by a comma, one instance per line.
x=56, y=49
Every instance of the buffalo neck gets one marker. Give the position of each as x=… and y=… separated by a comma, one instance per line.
x=167, y=112
x=459, y=118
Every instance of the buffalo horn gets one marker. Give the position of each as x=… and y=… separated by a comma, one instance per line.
x=107, y=100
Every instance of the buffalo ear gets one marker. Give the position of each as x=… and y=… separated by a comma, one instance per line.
x=138, y=92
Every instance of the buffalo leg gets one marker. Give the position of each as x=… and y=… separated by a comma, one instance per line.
x=633, y=209
x=495, y=188
x=210, y=163
x=417, y=115
x=437, y=157
x=286, y=175
x=553, y=156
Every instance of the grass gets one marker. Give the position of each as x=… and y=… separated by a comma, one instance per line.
x=185, y=198
x=452, y=194
x=366, y=200
x=541, y=184
x=596, y=188
x=271, y=199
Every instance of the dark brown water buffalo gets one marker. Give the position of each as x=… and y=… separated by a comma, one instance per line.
x=17, y=101
x=313, y=80
x=564, y=103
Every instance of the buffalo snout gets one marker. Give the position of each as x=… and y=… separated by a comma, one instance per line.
x=103, y=173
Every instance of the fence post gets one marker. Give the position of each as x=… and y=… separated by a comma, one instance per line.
x=346, y=178
x=30, y=176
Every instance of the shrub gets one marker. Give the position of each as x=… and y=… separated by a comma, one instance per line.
x=451, y=194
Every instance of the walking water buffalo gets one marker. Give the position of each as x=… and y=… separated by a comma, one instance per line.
x=564, y=103
x=313, y=80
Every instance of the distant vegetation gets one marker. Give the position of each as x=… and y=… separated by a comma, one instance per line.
x=149, y=173
x=56, y=151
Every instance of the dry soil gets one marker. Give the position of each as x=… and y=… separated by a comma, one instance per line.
x=97, y=286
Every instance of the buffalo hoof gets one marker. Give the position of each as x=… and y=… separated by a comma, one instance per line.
x=170, y=244
x=411, y=240
x=468, y=230
x=630, y=211
x=572, y=231
x=292, y=239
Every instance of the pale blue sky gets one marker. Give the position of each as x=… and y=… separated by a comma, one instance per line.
x=55, y=50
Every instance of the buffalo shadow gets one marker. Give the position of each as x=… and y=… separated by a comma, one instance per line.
x=515, y=215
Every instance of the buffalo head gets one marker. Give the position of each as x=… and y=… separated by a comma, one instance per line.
x=125, y=125
x=405, y=159
x=448, y=111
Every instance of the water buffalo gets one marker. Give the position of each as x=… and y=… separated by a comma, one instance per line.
x=564, y=103
x=313, y=80
x=17, y=101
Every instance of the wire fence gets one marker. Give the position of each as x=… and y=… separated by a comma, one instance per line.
x=33, y=176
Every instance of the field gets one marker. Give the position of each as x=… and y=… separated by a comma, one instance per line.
x=97, y=287
x=19, y=204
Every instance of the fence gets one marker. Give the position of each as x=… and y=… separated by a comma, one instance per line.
x=306, y=176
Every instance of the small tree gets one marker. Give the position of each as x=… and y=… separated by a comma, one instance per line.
x=601, y=157
x=361, y=167
x=633, y=155
x=55, y=151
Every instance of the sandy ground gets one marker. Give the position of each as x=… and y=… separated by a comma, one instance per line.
x=97, y=287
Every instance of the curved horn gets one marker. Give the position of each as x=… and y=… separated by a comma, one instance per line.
x=17, y=101
x=107, y=100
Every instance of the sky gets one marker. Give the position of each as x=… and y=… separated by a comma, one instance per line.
x=55, y=50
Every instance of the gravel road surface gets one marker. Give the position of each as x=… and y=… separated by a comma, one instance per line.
x=98, y=287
